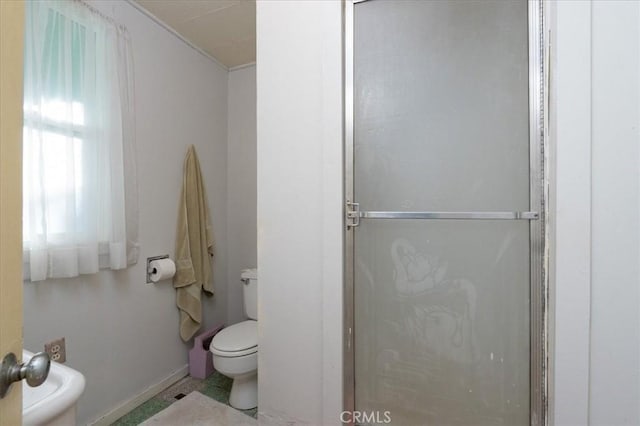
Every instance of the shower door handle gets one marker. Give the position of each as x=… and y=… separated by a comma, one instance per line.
x=515, y=215
x=354, y=214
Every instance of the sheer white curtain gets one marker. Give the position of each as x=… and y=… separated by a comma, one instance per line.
x=80, y=190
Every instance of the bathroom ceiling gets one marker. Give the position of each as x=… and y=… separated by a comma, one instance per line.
x=225, y=29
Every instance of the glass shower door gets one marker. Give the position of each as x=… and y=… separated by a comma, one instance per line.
x=441, y=232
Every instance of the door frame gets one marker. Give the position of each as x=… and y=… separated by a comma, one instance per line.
x=539, y=247
x=11, y=76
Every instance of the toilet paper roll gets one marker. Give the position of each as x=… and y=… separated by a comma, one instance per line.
x=162, y=269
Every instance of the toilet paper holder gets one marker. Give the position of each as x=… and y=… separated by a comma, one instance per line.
x=150, y=269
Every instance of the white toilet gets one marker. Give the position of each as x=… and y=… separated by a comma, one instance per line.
x=235, y=348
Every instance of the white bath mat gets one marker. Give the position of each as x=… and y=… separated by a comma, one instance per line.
x=197, y=409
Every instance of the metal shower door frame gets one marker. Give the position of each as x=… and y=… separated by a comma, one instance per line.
x=538, y=216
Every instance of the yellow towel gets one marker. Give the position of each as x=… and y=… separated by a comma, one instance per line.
x=194, y=245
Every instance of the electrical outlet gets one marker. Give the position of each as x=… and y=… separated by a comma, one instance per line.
x=57, y=350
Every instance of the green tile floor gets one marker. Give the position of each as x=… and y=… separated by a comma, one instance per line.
x=215, y=386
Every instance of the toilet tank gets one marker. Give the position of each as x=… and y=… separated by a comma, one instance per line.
x=250, y=292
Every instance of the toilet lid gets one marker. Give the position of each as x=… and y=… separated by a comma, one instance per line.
x=236, y=338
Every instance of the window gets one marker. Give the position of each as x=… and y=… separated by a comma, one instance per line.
x=78, y=153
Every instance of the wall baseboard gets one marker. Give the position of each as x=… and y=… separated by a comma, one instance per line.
x=128, y=405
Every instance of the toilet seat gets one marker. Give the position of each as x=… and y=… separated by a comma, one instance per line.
x=236, y=340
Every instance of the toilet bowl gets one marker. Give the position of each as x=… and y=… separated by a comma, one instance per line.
x=235, y=348
x=235, y=354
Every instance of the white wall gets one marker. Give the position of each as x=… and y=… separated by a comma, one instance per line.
x=595, y=138
x=121, y=332
x=241, y=185
x=299, y=211
x=570, y=207
x=615, y=244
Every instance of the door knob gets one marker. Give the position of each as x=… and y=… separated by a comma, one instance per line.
x=35, y=371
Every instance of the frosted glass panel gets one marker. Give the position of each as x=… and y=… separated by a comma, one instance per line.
x=441, y=105
x=442, y=321
x=441, y=307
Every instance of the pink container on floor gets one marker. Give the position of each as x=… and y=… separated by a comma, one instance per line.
x=200, y=357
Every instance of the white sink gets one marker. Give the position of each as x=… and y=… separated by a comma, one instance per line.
x=54, y=402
